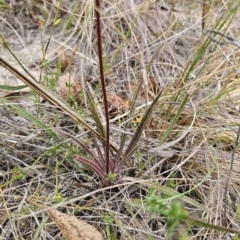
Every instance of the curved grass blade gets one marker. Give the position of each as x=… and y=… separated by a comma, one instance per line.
x=172, y=194
x=84, y=147
x=31, y=118
x=45, y=93
x=91, y=165
x=12, y=88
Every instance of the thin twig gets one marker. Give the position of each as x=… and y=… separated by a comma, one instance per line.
x=230, y=39
x=99, y=41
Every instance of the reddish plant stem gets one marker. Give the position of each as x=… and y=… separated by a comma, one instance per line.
x=99, y=43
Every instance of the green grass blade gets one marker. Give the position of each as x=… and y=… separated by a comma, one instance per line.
x=133, y=105
x=12, y=88
x=31, y=118
x=47, y=94
x=142, y=124
x=95, y=116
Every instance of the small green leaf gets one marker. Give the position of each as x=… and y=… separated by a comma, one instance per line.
x=56, y=22
x=111, y=177
x=18, y=174
x=108, y=219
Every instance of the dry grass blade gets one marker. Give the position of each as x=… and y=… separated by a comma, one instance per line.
x=71, y=227
x=205, y=10
x=48, y=95
x=212, y=226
